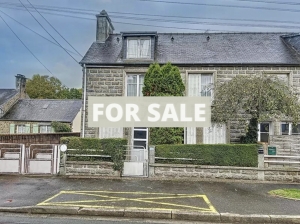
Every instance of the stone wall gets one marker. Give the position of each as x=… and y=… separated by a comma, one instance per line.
x=85, y=168
x=219, y=172
x=111, y=82
x=28, y=139
x=286, y=145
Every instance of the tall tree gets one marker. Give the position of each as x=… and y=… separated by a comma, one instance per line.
x=164, y=81
x=45, y=87
x=252, y=100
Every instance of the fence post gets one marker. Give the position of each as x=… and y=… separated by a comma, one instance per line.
x=261, y=155
x=151, y=160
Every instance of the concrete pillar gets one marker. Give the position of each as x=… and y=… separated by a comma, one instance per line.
x=261, y=173
x=151, y=160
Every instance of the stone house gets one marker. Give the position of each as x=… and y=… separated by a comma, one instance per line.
x=115, y=65
x=19, y=114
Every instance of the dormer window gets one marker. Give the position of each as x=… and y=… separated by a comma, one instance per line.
x=138, y=48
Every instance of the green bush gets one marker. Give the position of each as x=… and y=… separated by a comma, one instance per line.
x=113, y=147
x=60, y=127
x=242, y=155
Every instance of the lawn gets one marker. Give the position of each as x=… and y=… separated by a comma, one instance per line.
x=287, y=193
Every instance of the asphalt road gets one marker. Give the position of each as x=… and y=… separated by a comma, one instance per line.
x=30, y=219
x=231, y=197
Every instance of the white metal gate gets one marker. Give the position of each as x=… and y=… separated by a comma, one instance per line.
x=37, y=159
x=42, y=159
x=12, y=158
x=136, y=161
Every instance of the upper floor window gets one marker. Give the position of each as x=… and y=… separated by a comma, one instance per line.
x=135, y=85
x=201, y=84
x=138, y=48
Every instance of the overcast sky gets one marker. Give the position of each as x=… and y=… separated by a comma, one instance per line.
x=80, y=33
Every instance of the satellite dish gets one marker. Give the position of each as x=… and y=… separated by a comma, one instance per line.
x=63, y=148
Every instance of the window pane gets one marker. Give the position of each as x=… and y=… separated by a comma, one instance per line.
x=132, y=49
x=284, y=129
x=264, y=127
x=21, y=129
x=206, y=84
x=145, y=48
x=132, y=85
x=194, y=85
x=296, y=129
x=140, y=134
x=264, y=137
x=139, y=143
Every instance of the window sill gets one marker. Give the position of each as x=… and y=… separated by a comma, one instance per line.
x=130, y=60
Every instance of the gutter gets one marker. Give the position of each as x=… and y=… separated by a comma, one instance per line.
x=135, y=64
x=84, y=101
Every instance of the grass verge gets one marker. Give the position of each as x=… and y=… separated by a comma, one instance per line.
x=286, y=193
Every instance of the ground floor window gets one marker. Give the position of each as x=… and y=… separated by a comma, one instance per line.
x=287, y=128
x=22, y=128
x=264, y=131
x=45, y=128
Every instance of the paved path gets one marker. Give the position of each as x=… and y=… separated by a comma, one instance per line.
x=223, y=197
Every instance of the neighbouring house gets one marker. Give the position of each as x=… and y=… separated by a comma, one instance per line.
x=20, y=115
x=8, y=97
x=115, y=65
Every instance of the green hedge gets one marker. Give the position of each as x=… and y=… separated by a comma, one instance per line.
x=113, y=147
x=242, y=155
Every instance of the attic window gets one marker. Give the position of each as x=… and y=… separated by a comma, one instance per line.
x=138, y=48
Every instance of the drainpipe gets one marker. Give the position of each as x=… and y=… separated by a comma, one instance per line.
x=84, y=101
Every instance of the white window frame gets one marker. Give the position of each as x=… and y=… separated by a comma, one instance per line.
x=139, y=55
x=21, y=128
x=290, y=128
x=201, y=73
x=48, y=128
x=271, y=131
x=137, y=83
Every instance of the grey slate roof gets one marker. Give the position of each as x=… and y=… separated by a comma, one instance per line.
x=193, y=48
x=6, y=94
x=44, y=110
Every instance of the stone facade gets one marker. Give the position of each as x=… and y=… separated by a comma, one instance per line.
x=286, y=145
x=219, y=172
x=83, y=168
x=110, y=81
x=5, y=125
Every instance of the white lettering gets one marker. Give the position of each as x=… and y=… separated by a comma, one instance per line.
x=119, y=112
x=169, y=113
x=183, y=116
x=131, y=111
x=96, y=111
x=153, y=112
x=198, y=112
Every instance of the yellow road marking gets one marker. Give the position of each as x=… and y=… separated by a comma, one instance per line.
x=122, y=199
x=49, y=199
x=118, y=198
x=111, y=192
x=212, y=208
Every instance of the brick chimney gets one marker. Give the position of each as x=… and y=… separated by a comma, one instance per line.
x=104, y=26
x=21, y=85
